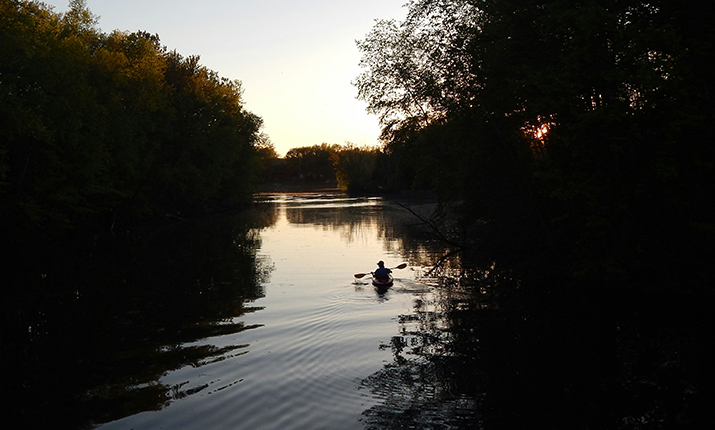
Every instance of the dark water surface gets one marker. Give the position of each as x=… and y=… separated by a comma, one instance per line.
x=241, y=323
x=256, y=322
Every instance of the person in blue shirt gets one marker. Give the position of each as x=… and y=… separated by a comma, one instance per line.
x=382, y=273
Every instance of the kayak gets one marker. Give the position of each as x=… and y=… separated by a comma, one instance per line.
x=387, y=282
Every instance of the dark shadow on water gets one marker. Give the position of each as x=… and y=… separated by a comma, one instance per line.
x=382, y=290
x=89, y=329
x=490, y=353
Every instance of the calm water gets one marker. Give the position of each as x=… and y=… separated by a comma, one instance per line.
x=257, y=326
x=257, y=322
x=317, y=333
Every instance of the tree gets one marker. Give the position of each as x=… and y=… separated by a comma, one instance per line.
x=79, y=19
x=97, y=128
x=358, y=169
x=579, y=124
x=51, y=112
x=418, y=69
x=313, y=162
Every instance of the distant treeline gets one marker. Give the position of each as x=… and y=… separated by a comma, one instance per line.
x=349, y=167
x=100, y=128
x=579, y=129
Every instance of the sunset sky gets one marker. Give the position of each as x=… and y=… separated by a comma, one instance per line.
x=296, y=58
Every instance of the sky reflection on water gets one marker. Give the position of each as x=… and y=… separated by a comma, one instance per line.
x=318, y=332
x=259, y=323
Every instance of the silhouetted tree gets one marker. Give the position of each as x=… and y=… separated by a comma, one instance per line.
x=102, y=127
x=312, y=162
x=579, y=125
x=357, y=169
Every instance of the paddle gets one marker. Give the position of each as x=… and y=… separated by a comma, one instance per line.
x=360, y=275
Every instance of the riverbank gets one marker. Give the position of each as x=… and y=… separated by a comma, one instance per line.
x=298, y=187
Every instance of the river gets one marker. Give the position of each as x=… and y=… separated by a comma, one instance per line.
x=256, y=321
x=257, y=326
x=317, y=333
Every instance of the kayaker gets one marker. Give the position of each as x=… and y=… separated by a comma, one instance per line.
x=382, y=273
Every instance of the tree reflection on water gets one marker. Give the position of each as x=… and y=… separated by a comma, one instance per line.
x=89, y=335
x=434, y=380
x=487, y=352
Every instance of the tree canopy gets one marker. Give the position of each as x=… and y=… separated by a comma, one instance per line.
x=314, y=162
x=581, y=125
x=97, y=126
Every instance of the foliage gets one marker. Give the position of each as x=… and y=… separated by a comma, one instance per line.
x=313, y=162
x=580, y=125
x=99, y=126
x=266, y=150
x=358, y=169
x=354, y=169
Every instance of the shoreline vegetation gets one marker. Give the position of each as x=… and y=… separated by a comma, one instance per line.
x=104, y=130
